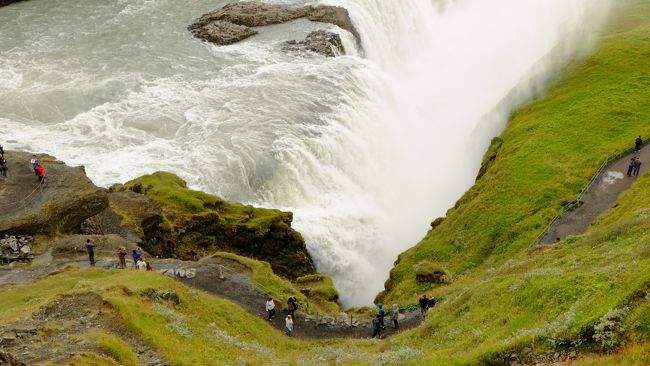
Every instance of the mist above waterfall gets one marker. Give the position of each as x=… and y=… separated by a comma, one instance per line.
x=365, y=151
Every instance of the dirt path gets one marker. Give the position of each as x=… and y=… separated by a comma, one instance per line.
x=232, y=284
x=599, y=197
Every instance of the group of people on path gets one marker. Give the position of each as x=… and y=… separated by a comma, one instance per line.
x=426, y=303
x=378, y=325
x=138, y=259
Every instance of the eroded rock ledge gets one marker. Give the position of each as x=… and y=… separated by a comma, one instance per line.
x=234, y=23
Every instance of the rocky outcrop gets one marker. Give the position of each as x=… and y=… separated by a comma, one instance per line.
x=59, y=205
x=234, y=22
x=7, y=2
x=16, y=249
x=322, y=42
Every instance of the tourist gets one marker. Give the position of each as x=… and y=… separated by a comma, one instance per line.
x=149, y=267
x=40, y=171
x=121, y=255
x=423, y=305
x=3, y=165
x=2, y=150
x=431, y=302
x=630, y=167
x=394, y=314
x=638, y=143
x=90, y=248
x=141, y=264
x=292, y=306
x=136, y=257
x=270, y=308
x=288, y=322
x=637, y=167
x=34, y=162
x=376, y=326
x=381, y=313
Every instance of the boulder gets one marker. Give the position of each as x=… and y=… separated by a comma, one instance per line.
x=233, y=22
x=60, y=205
x=322, y=42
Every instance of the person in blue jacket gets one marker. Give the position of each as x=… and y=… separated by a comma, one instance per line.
x=381, y=313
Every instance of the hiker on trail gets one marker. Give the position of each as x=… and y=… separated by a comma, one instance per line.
x=423, y=305
x=630, y=167
x=381, y=313
x=394, y=314
x=90, y=248
x=270, y=308
x=292, y=306
x=121, y=255
x=638, y=143
x=40, y=171
x=431, y=302
x=149, y=267
x=288, y=322
x=136, y=257
x=34, y=162
x=141, y=264
x=376, y=327
x=3, y=165
x=138, y=251
x=2, y=150
x=637, y=167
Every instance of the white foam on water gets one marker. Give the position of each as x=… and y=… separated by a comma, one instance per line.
x=364, y=151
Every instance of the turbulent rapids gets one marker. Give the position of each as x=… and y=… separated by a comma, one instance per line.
x=366, y=149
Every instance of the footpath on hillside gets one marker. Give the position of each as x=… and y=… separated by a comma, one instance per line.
x=599, y=196
x=217, y=276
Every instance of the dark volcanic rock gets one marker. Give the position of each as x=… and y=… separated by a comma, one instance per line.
x=7, y=2
x=60, y=205
x=233, y=22
x=223, y=33
x=325, y=43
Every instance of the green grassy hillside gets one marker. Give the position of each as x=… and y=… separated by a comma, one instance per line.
x=549, y=151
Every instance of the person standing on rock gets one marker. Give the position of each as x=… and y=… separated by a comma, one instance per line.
x=630, y=167
x=394, y=315
x=40, y=171
x=34, y=162
x=637, y=167
x=90, y=248
x=638, y=143
x=381, y=313
x=270, y=308
x=3, y=165
x=288, y=322
x=121, y=256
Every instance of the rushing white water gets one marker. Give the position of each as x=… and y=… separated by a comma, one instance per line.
x=364, y=151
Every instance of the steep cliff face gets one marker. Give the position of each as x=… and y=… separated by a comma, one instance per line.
x=187, y=224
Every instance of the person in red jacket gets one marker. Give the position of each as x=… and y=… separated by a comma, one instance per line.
x=41, y=173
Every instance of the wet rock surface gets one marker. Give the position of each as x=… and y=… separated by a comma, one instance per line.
x=322, y=42
x=234, y=22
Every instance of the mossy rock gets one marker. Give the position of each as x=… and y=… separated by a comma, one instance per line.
x=195, y=224
x=429, y=272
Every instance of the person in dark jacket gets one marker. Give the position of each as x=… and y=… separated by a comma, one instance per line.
x=90, y=248
x=3, y=165
x=638, y=143
x=637, y=167
x=376, y=327
x=381, y=313
x=423, y=305
x=2, y=150
x=292, y=306
x=630, y=167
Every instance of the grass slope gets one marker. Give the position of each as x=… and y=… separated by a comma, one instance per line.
x=548, y=153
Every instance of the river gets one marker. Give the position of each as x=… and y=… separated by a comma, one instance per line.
x=365, y=149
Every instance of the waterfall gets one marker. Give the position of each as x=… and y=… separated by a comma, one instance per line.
x=365, y=151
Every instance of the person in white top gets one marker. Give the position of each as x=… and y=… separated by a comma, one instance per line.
x=142, y=265
x=270, y=308
x=289, y=324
